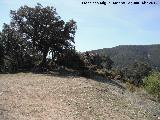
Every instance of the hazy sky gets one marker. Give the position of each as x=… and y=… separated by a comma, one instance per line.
x=101, y=26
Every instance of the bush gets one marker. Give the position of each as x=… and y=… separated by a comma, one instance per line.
x=136, y=72
x=70, y=59
x=152, y=85
x=117, y=74
x=131, y=87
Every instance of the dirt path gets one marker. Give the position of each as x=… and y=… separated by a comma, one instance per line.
x=27, y=96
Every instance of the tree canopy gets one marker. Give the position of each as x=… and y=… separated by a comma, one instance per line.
x=44, y=29
x=32, y=34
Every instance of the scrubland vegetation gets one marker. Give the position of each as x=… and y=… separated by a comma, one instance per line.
x=152, y=84
x=38, y=41
x=38, y=32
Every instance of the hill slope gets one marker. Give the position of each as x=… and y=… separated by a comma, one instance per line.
x=49, y=97
x=124, y=55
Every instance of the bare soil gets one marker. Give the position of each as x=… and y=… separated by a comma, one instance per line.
x=27, y=96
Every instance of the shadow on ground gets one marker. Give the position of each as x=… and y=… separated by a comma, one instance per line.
x=75, y=73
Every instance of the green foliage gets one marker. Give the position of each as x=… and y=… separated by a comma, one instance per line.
x=117, y=74
x=71, y=59
x=152, y=84
x=136, y=72
x=125, y=55
x=32, y=34
x=106, y=62
x=44, y=29
x=94, y=64
x=101, y=61
x=10, y=65
x=12, y=48
x=103, y=72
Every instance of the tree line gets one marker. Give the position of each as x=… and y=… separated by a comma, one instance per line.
x=33, y=34
x=37, y=32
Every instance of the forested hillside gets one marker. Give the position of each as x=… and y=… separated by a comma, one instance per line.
x=125, y=55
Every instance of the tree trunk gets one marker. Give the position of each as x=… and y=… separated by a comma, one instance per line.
x=53, y=56
x=43, y=63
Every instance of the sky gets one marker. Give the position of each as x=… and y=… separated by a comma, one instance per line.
x=98, y=25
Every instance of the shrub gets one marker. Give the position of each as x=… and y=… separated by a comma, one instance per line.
x=131, y=87
x=71, y=59
x=136, y=72
x=101, y=61
x=117, y=74
x=152, y=84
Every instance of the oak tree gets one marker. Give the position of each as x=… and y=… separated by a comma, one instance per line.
x=44, y=29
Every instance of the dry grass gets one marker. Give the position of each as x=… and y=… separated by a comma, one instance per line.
x=27, y=96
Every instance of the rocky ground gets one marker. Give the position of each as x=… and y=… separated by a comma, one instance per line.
x=27, y=96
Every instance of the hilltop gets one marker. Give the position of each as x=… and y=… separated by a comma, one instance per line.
x=27, y=96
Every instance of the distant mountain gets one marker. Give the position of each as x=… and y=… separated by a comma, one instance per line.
x=124, y=55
